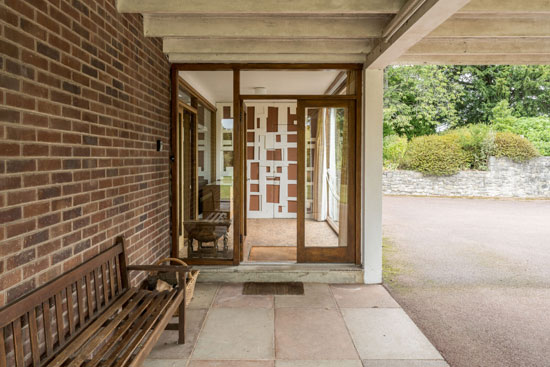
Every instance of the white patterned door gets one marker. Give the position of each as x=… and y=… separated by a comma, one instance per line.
x=272, y=158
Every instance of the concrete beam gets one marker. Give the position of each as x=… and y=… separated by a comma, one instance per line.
x=430, y=15
x=260, y=7
x=265, y=58
x=488, y=27
x=505, y=59
x=371, y=235
x=263, y=27
x=507, y=7
x=258, y=46
x=481, y=46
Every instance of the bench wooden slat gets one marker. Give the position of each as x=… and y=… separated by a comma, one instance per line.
x=46, y=317
x=80, y=302
x=20, y=307
x=90, y=330
x=33, y=333
x=118, y=278
x=152, y=317
x=3, y=361
x=59, y=318
x=89, y=296
x=18, y=343
x=100, y=337
x=111, y=278
x=97, y=294
x=104, y=283
x=70, y=308
x=125, y=340
x=120, y=331
x=115, y=323
x=177, y=301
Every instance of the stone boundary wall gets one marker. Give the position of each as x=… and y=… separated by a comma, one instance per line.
x=503, y=179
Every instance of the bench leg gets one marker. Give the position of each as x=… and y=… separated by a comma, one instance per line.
x=181, y=315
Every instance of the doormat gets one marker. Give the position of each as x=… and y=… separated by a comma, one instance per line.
x=272, y=253
x=276, y=289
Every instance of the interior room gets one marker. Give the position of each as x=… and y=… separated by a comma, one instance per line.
x=271, y=149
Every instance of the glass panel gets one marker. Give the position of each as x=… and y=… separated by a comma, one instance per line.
x=208, y=173
x=326, y=167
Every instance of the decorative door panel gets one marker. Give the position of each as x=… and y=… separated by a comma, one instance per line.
x=272, y=158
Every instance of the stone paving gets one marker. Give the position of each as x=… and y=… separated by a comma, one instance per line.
x=328, y=326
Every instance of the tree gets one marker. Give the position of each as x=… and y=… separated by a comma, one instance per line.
x=525, y=88
x=419, y=99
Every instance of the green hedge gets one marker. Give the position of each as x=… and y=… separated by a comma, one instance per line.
x=515, y=147
x=478, y=143
x=437, y=155
x=394, y=150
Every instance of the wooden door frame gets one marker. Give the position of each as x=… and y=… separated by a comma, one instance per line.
x=239, y=170
x=327, y=254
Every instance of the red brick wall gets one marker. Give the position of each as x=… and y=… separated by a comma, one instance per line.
x=84, y=97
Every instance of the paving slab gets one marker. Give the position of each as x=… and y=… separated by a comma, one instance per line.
x=165, y=363
x=387, y=333
x=236, y=334
x=315, y=296
x=405, y=363
x=231, y=364
x=312, y=334
x=167, y=346
x=318, y=363
x=231, y=295
x=361, y=295
x=203, y=295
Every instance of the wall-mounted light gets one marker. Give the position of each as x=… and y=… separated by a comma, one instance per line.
x=159, y=145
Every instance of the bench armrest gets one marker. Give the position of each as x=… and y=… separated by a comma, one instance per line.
x=168, y=268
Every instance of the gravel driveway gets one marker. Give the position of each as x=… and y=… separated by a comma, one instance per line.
x=474, y=275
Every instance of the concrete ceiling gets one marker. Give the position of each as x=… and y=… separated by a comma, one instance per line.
x=374, y=32
x=217, y=86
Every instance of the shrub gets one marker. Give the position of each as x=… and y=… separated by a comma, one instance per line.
x=535, y=129
x=515, y=147
x=437, y=155
x=477, y=142
x=394, y=150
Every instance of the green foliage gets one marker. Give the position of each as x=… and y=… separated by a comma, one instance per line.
x=535, y=129
x=437, y=155
x=418, y=99
x=526, y=88
x=477, y=143
x=515, y=147
x=394, y=150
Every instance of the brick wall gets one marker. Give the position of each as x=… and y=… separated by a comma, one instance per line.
x=84, y=97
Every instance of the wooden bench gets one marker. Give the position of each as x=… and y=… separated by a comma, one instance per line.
x=90, y=316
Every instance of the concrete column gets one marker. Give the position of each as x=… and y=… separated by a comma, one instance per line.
x=372, y=175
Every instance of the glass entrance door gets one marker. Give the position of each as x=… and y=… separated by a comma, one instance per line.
x=326, y=181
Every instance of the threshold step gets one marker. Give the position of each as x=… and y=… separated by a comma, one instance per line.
x=270, y=272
